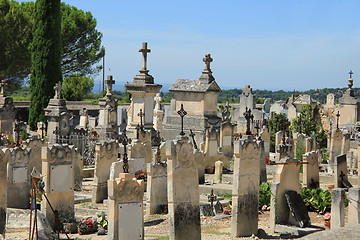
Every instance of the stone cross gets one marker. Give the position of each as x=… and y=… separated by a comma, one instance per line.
x=227, y=110
x=57, y=89
x=141, y=115
x=3, y=85
x=207, y=59
x=192, y=135
x=182, y=114
x=212, y=198
x=109, y=82
x=337, y=120
x=144, y=50
x=351, y=73
x=248, y=116
x=125, y=141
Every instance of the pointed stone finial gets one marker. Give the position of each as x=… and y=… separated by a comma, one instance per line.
x=57, y=89
x=109, y=82
x=144, y=50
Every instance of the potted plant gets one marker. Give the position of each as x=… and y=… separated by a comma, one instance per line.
x=327, y=220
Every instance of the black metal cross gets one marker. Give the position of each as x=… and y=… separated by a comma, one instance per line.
x=57, y=132
x=212, y=198
x=248, y=116
x=257, y=126
x=351, y=73
x=182, y=114
x=125, y=141
x=337, y=120
x=192, y=135
x=42, y=127
x=141, y=115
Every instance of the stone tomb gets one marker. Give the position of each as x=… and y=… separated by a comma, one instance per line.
x=183, y=190
x=35, y=145
x=341, y=172
x=3, y=190
x=156, y=193
x=19, y=181
x=212, y=153
x=125, y=208
x=106, y=154
x=59, y=178
x=311, y=170
x=245, y=192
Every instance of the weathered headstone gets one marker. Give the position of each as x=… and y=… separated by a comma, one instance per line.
x=246, y=187
x=335, y=146
x=218, y=171
x=354, y=206
x=125, y=208
x=341, y=173
x=7, y=110
x=156, y=193
x=183, y=190
x=59, y=178
x=337, y=208
x=106, y=154
x=297, y=208
x=35, y=145
x=311, y=170
x=3, y=190
x=19, y=182
x=199, y=157
x=345, y=146
x=278, y=137
x=226, y=138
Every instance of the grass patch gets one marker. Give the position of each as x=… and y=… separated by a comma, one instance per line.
x=225, y=195
x=207, y=227
x=89, y=206
x=159, y=237
x=218, y=233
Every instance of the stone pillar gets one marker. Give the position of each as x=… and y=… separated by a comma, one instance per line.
x=59, y=178
x=278, y=137
x=226, y=138
x=19, y=181
x=311, y=170
x=218, y=171
x=183, y=190
x=156, y=193
x=337, y=208
x=3, y=190
x=335, y=146
x=263, y=176
x=354, y=206
x=106, y=154
x=125, y=208
x=245, y=192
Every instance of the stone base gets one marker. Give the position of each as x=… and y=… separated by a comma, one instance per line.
x=99, y=193
x=297, y=230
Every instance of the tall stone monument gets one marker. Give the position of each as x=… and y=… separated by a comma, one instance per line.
x=142, y=90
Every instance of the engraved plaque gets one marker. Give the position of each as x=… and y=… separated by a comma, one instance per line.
x=61, y=178
x=130, y=221
x=227, y=140
x=19, y=175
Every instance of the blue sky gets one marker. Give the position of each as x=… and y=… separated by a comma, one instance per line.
x=269, y=44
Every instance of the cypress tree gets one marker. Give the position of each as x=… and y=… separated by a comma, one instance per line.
x=45, y=57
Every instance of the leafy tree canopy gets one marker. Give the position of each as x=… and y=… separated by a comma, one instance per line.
x=76, y=87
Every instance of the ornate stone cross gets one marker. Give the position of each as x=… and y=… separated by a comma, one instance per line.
x=141, y=115
x=3, y=85
x=182, y=114
x=212, y=197
x=109, y=82
x=144, y=50
x=207, y=59
x=337, y=120
x=57, y=89
x=125, y=141
x=192, y=135
x=248, y=116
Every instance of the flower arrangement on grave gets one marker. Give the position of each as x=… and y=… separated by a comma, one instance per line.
x=227, y=211
x=141, y=175
x=102, y=223
x=6, y=139
x=93, y=135
x=327, y=217
x=87, y=226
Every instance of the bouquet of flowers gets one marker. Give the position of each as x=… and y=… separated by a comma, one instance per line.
x=87, y=226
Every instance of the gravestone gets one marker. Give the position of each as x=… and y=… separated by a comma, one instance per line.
x=211, y=149
x=310, y=144
x=59, y=178
x=19, y=181
x=35, y=144
x=226, y=138
x=299, y=143
x=245, y=194
x=183, y=190
x=349, y=159
x=335, y=146
x=206, y=210
x=337, y=208
x=218, y=171
x=145, y=138
x=345, y=143
x=311, y=170
x=125, y=208
x=263, y=176
x=354, y=206
x=341, y=173
x=199, y=158
x=3, y=190
x=286, y=178
x=297, y=208
x=218, y=208
x=7, y=110
x=156, y=193
x=278, y=137
x=106, y=154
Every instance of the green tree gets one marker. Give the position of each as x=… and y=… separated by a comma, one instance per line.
x=277, y=123
x=76, y=87
x=45, y=57
x=15, y=38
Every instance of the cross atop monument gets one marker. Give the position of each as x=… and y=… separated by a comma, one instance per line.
x=57, y=89
x=109, y=82
x=182, y=114
x=3, y=85
x=248, y=116
x=207, y=59
x=144, y=50
x=337, y=120
x=141, y=115
x=125, y=141
x=351, y=73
